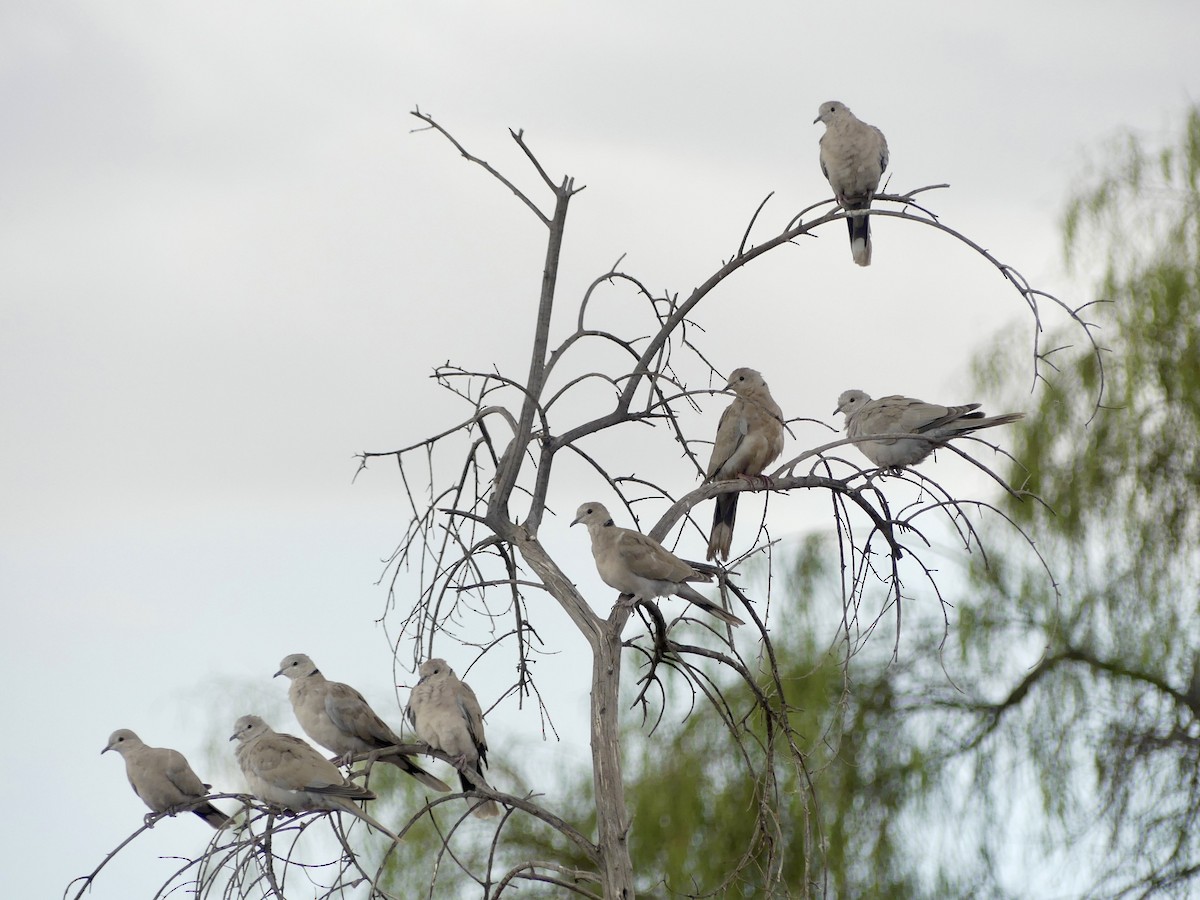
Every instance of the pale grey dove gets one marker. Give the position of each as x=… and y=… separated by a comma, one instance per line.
x=634, y=563
x=853, y=157
x=446, y=715
x=749, y=438
x=283, y=770
x=903, y=415
x=338, y=718
x=163, y=778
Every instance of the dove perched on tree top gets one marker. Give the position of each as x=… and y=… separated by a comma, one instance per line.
x=635, y=563
x=163, y=778
x=894, y=414
x=446, y=715
x=338, y=718
x=853, y=157
x=283, y=770
x=749, y=438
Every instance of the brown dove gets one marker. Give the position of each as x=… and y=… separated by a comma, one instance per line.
x=339, y=718
x=634, y=563
x=446, y=715
x=749, y=438
x=163, y=779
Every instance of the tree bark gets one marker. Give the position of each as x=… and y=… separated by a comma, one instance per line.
x=612, y=822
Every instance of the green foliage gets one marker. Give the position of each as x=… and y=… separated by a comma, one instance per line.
x=693, y=807
x=1100, y=708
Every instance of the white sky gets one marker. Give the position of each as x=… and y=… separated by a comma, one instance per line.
x=226, y=266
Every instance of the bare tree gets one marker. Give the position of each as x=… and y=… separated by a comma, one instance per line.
x=479, y=493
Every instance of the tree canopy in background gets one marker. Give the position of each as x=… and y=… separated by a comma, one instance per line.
x=1107, y=717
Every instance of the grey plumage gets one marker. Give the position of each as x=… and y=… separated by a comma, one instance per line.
x=446, y=715
x=163, y=778
x=936, y=425
x=749, y=438
x=284, y=771
x=635, y=563
x=853, y=157
x=339, y=718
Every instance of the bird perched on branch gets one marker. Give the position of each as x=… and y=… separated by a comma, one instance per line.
x=163, y=778
x=635, y=563
x=749, y=438
x=446, y=715
x=894, y=414
x=284, y=771
x=339, y=718
x=853, y=158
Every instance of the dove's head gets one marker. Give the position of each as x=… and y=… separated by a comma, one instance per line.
x=121, y=740
x=851, y=402
x=296, y=666
x=248, y=727
x=592, y=515
x=432, y=667
x=745, y=382
x=830, y=110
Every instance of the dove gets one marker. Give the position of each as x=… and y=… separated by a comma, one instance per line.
x=283, y=770
x=446, y=715
x=903, y=415
x=338, y=718
x=163, y=779
x=853, y=157
x=634, y=563
x=749, y=438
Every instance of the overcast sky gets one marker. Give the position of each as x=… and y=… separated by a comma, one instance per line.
x=227, y=265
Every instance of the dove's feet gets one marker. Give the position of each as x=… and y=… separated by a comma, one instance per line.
x=763, y=481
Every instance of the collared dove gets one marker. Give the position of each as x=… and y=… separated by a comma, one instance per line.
x=446, y=715
x=749, y=438
x=853, y=157
x=283, y=770
x=634, y=563
x=903, y=415
x=338, y=718
x=163, y=779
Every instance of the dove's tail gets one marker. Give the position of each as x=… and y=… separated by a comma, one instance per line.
x=721, y=536
x=429, y=780
x=713, y=609
x=349, y=807
x=211, y=815
x=488, y=808
x=860, y=237
x=975, y=421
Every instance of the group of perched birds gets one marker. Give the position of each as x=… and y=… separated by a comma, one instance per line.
x=892, y=432
x=287, y=772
